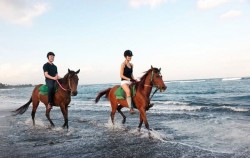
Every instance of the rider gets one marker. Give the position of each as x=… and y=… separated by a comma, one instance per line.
x=51, y=75
x=126, y=74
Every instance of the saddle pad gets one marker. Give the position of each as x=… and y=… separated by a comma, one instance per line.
x=120, y=94
x=43, y=90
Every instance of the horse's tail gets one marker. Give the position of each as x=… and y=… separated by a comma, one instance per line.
x=23, y=108
x=106, y=91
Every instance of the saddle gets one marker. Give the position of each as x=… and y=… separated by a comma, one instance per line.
x=43, y=90
x=120, y=94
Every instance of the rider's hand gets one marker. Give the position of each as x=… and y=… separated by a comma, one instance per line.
x=132, y=80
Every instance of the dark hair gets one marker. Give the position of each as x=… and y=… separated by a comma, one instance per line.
x=128, y=53
x=50, y=53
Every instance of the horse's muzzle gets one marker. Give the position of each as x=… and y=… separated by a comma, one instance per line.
x=162, y=89
x=74, y=93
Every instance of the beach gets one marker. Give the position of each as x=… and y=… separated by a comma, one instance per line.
x=195, y=118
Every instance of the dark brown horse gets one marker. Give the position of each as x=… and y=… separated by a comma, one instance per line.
x=67, y=88
x=151, y=78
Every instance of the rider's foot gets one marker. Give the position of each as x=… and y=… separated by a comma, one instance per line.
x=132, y=111
x=49, y=107
x=151, y=105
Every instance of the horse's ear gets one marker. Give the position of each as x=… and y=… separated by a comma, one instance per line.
x=152, y=67
x=68, y=70
x=77, y=71
x=159, y=69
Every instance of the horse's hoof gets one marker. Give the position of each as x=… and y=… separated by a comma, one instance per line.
x=150, y=136
x=139, y=130
x=123, y=121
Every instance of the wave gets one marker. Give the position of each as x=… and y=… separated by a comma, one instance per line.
x=237, y=109
x=170, y=106
x=231, y=79
x=241, y=98
x=175, y=106
x=193, y=92
x=7, y=89
x=224, y=109
x=188, y=81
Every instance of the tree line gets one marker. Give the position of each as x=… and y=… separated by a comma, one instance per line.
x=3, y=86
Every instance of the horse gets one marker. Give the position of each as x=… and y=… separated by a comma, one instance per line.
x=67, y=88
x=151, y=78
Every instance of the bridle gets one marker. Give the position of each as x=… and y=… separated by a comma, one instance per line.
x=65, y=88
x=151, y=81
x=152, y=84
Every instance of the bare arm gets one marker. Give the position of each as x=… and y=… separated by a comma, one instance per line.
x=50, y=77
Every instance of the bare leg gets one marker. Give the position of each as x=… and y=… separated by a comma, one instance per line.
x=125, y=87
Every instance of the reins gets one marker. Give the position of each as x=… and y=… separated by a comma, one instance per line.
x=62, y=86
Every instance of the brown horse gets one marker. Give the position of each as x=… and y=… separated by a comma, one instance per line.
x=151, y=78
x=67, y=88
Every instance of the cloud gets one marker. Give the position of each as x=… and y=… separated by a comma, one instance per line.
x=151, y=3
x=21, y=12
x=231, y=14
x=210, y=4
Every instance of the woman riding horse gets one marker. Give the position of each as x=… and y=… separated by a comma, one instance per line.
x=152, y=78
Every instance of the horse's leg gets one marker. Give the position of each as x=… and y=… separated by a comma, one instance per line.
x=144, y=117
x=35, y=102
x=112, y=114
x=140, y=124
x=64, y=110
x=119, y=110
x=48, y=116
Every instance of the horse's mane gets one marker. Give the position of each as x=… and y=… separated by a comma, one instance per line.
x=64, y=79
x=141, y=83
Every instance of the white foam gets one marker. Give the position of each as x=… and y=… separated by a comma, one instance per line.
x=7, y=89
x=173, y=103
x=231, y=79
x=38, y=122
x=188, y=81
x=115, y=126
x=171, y=108
x=236, y=109
x=144, y=133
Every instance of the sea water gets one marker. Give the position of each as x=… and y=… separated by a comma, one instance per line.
x=195, y=118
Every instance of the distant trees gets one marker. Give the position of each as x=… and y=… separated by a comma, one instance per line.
x=2, y=86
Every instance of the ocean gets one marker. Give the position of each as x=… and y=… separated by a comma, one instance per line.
x=194, y=118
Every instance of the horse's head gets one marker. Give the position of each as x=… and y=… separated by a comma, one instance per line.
x=73, y=81
x=156, y=78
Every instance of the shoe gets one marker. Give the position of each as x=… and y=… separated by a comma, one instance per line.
x=151, y=105
x=132, y=111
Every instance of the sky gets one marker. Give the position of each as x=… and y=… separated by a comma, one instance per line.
x=187, y=39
